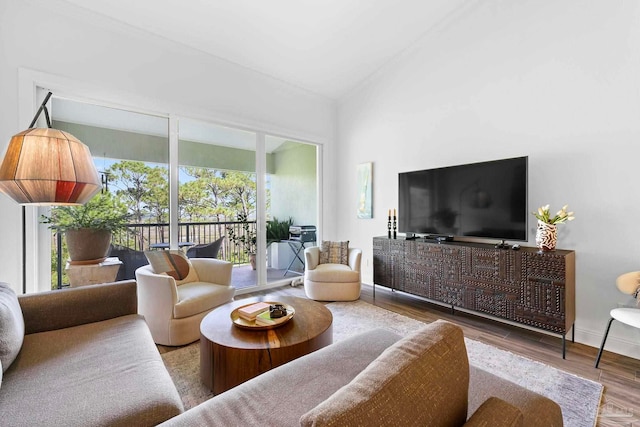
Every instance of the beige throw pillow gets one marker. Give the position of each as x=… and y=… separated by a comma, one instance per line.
x=173, y=263
x=422, y=379
x=334, y=253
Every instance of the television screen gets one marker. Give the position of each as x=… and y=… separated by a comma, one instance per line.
x=486, y=199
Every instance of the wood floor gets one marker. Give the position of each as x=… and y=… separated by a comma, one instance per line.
x=620, y=375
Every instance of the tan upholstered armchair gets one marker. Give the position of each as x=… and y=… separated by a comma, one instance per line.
x=174, y=311
x=332, y=281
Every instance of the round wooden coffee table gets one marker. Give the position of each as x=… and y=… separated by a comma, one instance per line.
x=230, y=355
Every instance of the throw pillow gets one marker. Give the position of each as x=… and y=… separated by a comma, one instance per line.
x=429, y=366
x=11, y=326
x=334, y=253
x=173, y=263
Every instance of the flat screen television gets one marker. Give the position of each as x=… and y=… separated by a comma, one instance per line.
x=483, y=200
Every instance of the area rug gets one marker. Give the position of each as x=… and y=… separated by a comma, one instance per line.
x=184, y=367
x=579, y=398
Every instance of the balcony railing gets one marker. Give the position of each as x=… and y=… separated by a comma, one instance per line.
x=142, y=237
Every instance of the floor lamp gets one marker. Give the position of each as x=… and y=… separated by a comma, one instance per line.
x=46, y=166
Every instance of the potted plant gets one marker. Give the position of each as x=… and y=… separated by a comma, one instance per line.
x=278, y=252
x=246, y=240
x=278, y=230
x=88, y=228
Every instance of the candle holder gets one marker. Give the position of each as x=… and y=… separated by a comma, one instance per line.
x=389, y=228
x=394, y=226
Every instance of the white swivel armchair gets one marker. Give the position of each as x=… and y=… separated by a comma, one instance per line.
x=174, y=311
x=329, y=281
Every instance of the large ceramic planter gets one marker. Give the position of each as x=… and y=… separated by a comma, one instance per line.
x=546, y=236
x=88, y=246
x=280, y=255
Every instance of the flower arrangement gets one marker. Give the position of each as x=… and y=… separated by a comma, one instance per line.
x=561, y=216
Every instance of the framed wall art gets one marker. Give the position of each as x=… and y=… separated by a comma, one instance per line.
x=364, y=184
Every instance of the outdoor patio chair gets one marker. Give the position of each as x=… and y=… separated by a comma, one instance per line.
x=131, y=261
x=209, y=250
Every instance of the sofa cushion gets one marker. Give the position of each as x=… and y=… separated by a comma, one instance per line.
x=308, y=381
x=422, y=379
x=334, y=273
x=495, y=412
x=105, y=373
x=197, y=297
x=173, y=263
x=64, y=308
x=11, y=326
x=334, y=252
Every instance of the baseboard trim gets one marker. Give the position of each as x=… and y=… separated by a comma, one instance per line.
x=614, y=344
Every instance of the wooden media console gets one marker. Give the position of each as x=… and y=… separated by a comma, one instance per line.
x=524, y=286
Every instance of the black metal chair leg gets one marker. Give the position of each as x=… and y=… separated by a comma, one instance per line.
x=606, y=333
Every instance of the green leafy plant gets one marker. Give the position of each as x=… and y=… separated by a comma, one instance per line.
x=278, y=230
x=247, y=240
x=561, y=216
x=102, y=212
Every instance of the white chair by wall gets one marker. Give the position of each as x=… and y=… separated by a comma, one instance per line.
x=174, y=311
x=329, y=281
x=628, y=283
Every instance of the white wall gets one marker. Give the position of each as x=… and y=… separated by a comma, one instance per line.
x=557, y=81
x=78, y=50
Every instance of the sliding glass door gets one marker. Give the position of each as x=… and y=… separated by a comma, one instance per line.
x=218, y=196
x=221, y=201
x=234, y=195
x=291, y=200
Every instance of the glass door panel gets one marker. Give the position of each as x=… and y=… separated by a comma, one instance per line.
x=131, y=152
x=292, y=200
x=217, y=196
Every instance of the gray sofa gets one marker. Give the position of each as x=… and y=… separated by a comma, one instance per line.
x=84, y=357
x=378, y=378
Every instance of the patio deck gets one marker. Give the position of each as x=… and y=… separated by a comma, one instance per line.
x=244, y=276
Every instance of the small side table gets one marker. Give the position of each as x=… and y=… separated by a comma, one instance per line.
x=92, y=274
x=297, y=247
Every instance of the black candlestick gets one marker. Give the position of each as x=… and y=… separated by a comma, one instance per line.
x=389, y=228
x=394, y=226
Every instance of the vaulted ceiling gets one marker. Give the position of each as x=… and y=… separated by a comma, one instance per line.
x=324, y=46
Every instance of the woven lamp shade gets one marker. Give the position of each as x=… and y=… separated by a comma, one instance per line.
x=49, y=167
